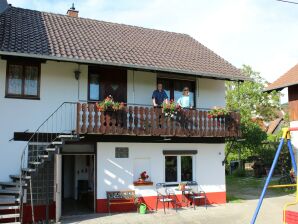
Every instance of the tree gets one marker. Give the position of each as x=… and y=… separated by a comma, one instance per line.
x=251, y=101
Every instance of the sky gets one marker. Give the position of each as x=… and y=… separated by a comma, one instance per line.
x=259, y=33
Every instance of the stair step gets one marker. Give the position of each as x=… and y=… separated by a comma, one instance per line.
x=12, y=184
x=67, y=136
x=28, y=170
x=12, y=223
x=9, y=192
x=34, y=163
x=50, y=149
x=9, y=200
x=9, y=207
x=8, y=216
x=57, y=143
x=43, y=156
x=17, y=177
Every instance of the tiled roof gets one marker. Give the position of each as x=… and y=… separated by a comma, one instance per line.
x=59, y=37
x=288, y=79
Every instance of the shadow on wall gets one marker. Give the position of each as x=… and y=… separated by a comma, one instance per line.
x=116, y=177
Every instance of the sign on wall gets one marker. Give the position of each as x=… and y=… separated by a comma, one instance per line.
x=121, y=152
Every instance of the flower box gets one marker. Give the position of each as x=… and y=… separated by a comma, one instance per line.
x=143, y=183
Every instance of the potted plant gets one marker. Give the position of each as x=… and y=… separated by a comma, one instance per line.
x=170, y=109
x=108, y=104
x=218, y=112
x=141, y=207
x=143, y=176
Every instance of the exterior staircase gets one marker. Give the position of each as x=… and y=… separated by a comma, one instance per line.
x=53, y=133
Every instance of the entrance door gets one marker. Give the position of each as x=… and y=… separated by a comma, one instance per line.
x=107, y=81
x=78, y=189
x=58, y=185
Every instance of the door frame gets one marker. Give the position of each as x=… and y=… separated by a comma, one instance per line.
x=58, y=175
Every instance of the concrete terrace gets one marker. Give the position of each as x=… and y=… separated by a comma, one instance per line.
x=230, y=213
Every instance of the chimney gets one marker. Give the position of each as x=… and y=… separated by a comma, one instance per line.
x=3, y=5
x=72, y=12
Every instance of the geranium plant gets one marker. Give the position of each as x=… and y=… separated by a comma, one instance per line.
x=143, y=176
x=109, y=104
x=218, y=112
x=170, y=109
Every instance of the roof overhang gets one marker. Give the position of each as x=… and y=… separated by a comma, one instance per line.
x=280, y=88
x=131, y=66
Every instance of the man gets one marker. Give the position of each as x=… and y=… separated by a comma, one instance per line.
x=159, y=96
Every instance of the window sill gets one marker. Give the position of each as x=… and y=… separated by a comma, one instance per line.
x=143, y=183
x=22, y=97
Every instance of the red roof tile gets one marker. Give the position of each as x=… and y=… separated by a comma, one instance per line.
x=54, y=36
x=288, y=79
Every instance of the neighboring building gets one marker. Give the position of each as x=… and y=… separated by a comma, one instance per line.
x=289, y=80
x=48, y=59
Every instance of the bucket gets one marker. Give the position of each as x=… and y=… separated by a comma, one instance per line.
x=143, y=208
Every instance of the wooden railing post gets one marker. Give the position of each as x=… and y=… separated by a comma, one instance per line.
x=84, y=117
x=90, y=118
x=78, y=125
x=136, y=120
x=96, y=119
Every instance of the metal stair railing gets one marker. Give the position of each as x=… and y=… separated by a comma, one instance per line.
x=61, y=121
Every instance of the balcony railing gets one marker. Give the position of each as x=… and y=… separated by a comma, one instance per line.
x=149, y=121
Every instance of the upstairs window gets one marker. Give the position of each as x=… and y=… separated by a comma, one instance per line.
x=22, y=80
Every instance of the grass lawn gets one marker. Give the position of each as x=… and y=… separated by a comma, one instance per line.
x=241, y=188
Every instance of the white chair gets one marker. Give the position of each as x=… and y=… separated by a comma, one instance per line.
x=196, y=193
x=165, y=196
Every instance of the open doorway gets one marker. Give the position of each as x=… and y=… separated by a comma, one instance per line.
x=78, y=184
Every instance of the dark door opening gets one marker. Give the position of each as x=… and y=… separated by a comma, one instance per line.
x=103, y=82
x=77, y=184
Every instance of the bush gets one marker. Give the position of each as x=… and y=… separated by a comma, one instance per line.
x=239, y=173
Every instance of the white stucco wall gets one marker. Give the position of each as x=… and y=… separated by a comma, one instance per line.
x=59, y=85
x=211, y=93
x=140, y=86
x=16, y=115
x=118, y=173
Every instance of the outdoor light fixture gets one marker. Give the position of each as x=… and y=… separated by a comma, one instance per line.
x=77, y=74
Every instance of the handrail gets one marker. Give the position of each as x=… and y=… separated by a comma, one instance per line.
x=26, y=148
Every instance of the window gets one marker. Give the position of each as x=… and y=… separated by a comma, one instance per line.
x=103, y=82
x=174, y=88
x=94, y=87
x=23, y=80
x=178, y=168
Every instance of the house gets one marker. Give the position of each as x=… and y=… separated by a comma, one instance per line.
x=53, y=68
x=289, y=80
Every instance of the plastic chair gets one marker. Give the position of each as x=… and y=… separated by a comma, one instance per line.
x=164, y=195
x=196, y=193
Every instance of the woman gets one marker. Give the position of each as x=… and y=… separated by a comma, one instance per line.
x=185, y=101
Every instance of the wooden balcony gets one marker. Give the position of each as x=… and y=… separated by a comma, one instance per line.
x=149, y=121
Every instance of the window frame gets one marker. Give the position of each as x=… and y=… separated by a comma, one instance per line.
x=23, y=63
x=172, y=87
x=179, y=168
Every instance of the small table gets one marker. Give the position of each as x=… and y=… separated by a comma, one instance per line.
x=185, y=191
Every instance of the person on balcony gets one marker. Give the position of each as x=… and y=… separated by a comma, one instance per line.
x=159, y=96
x=185, y=100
